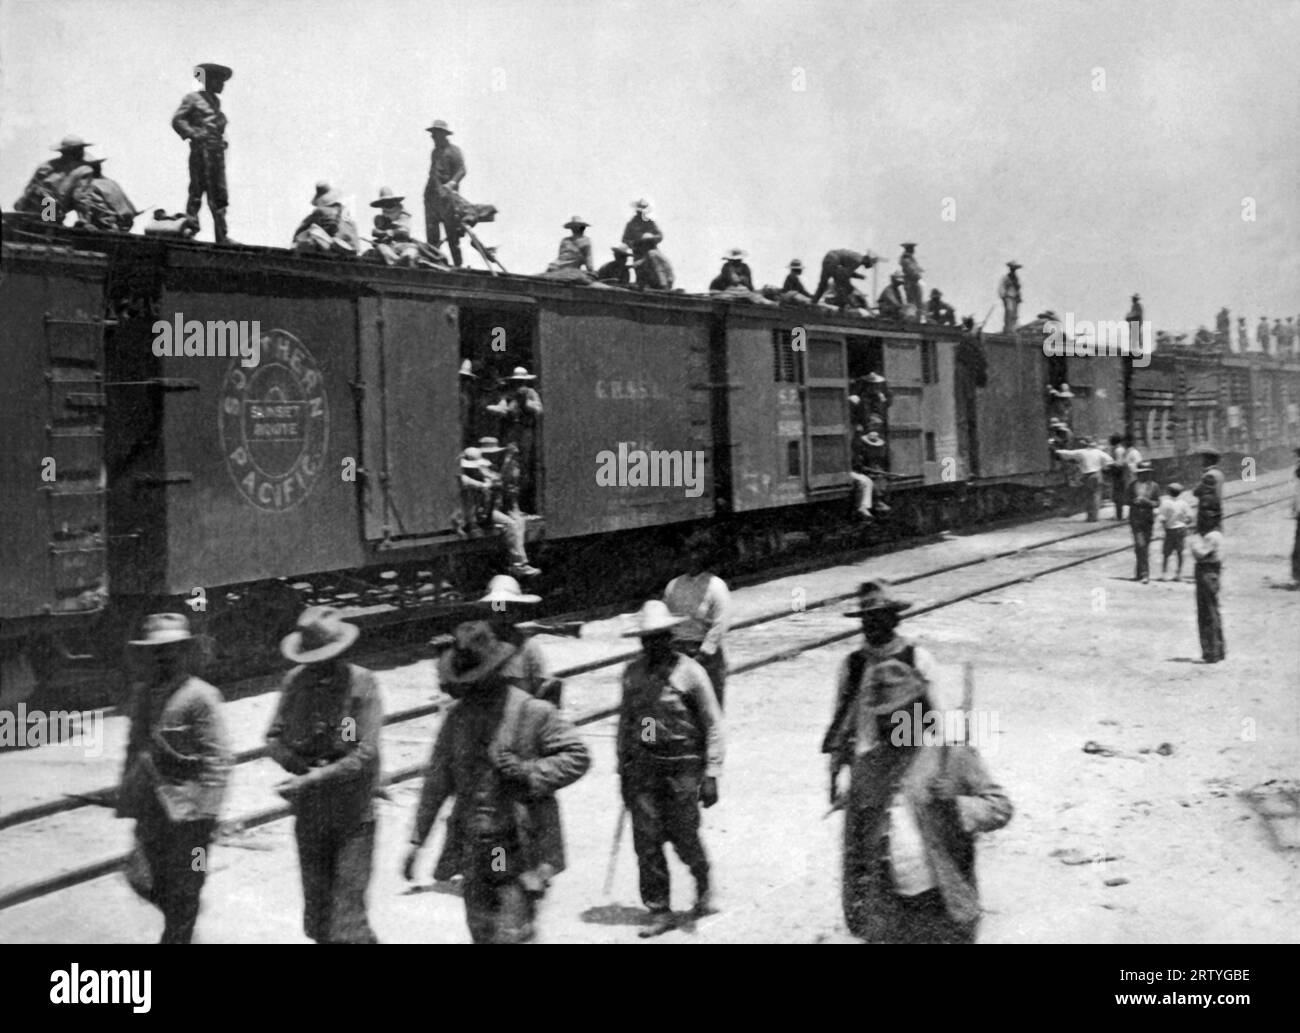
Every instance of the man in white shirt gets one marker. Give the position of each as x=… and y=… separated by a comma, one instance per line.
x=1093, y=461
x=703, y=599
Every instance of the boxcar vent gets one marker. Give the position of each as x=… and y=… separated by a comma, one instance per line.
x=783, y=357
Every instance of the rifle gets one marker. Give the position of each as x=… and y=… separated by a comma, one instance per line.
x=980, y=325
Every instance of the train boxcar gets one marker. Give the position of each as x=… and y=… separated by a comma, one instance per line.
x=244, y=430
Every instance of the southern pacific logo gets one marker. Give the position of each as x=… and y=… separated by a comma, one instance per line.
x=275, y=424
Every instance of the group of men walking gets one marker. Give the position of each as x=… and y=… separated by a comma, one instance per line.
x=503, y=751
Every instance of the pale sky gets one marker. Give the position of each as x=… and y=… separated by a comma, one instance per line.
x=570, y=107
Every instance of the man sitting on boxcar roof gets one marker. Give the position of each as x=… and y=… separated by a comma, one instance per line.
x=653, y=270
x=616, y=272
x=49, y=192
x=101, y=203
x=892, y=302
x=327, y=229
x=574, y=260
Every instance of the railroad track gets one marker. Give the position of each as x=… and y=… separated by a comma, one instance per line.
x=1008, y=567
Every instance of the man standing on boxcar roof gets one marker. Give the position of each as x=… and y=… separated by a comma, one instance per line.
x=178, y=761
x=325, y=733
x=201, y=121
x=912, y=271
x=641, y=224
x=441, y=208
x=1009, y=292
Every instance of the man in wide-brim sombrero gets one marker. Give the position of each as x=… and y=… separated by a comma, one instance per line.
x=669, y=747
x=178, y=759
x=502, y=754
x=325, y=733
x=506, y=606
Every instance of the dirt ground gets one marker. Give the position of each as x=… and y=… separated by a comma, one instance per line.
x=1126, y=845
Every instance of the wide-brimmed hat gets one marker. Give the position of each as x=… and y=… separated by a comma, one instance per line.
x=1209, y=453
x=387, y=197
x=875, y=420
x=796, y=265
x=641, y=204
x=505, y=589
x=489, y=444
x=213, y=71
x=652, y=619
x=735, y=255
x=897, y=277
x=907, y=244
x=1175, y=488
x=163, y=629
x=1137, y=297
x=1014, y=265
x=649, y=238
x=936, y=293
x=321, y=635
x=874, y=378
x=1064, y=391
x=439, y=126
x=71, y=143
x=874, y=596
x=576, y=222
x=621, y=249
x=1144, y=467
x=476, y=654
x=893, y=686
x=520, y=373
x=467, y=369
x=473, y=459
x=873, y=438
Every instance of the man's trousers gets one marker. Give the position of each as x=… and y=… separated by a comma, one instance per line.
x=178, y=856
x=335, y=863
x=1142, y=547
x=664, y=802
x=208, y=176
x=1208, y=621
